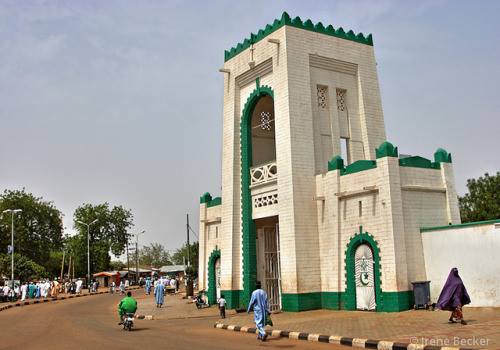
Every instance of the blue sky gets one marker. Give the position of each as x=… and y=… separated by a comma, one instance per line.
x=121, y=101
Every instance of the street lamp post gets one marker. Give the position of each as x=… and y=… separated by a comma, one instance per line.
x=12, y=212
x=88, y=249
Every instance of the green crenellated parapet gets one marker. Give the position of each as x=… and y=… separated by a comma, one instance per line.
x=336, y=163
x=386, y=149
x=205, y=198
x=442, y=156
x=214, y=202
x=297, y=23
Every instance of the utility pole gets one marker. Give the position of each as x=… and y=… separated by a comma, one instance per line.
x=128, y=261
x=137, y=256
x=12, y=212
x=187, y=230
x=62, y=265
x=137, y=259
x=88, y=249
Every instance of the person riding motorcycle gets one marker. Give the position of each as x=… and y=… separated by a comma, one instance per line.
x=128, y=305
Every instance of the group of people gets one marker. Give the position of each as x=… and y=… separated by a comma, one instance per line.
x=31, y=290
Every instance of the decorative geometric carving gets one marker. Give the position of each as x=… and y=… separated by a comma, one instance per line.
x=322, y=92
x=264, y=200
x=341, y=99
x=263, y=173
x=265, y=120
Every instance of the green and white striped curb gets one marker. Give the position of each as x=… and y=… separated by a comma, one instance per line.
x=339, y=340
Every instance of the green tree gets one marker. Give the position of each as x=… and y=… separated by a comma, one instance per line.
x=24, y=268
x=38, y=228
x=117, y=265
x=180, y=255
x=483, y=200
x=108, y=234
x=154, y=255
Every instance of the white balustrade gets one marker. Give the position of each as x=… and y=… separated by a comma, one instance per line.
x=263, y=173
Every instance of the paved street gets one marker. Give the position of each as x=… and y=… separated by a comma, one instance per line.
x=84, y=323
x=409, y=326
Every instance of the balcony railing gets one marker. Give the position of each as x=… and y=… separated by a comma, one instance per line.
x=263, y=173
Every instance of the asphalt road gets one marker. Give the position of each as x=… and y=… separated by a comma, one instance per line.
x=91, y=323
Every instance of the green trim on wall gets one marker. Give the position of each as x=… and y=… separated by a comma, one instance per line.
x=336, y=163
x=360, y=165
x=233, y=298
x=466, y=224
x=214, y=202
x=386, y=149
x=442, y=156
x=297, y=23
x=397, y=301
x=212, y=289
x=332, y=300
x=300, y=301
x=350, y=292
x=247, y=223
x=418, y=162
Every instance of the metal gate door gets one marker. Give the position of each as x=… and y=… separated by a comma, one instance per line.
x=272, y=267
x=217, y=278
x=364, y=274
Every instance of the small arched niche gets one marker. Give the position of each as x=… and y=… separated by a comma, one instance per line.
x=263, y=132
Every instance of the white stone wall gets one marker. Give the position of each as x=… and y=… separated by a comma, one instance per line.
x=471, y=249
x=396, y=202
x=211, y=237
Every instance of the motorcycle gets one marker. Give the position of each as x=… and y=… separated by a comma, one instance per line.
x=128, y=322
x=200, y=301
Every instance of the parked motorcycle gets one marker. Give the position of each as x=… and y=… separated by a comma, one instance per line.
x=128, y=322
x=200, y=301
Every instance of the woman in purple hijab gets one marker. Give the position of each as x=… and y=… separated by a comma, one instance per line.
x=453, y=297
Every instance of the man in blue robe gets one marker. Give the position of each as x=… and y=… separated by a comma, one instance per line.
x=260, y=306
x=159, y=291
x=148, y=286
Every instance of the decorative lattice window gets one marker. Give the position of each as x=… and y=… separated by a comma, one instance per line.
x=265, y=200
x=341, y=106
x=322, y=93
x=265, y=120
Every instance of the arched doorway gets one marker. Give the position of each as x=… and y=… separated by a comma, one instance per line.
x=365, y=278
x=263, y=131
x=214, y=263
x=362, y=266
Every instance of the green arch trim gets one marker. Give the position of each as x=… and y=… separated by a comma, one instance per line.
x=350, y=292
x=247, y=224
x=212, y=289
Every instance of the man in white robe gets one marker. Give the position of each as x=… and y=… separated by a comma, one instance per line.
x=24, y=291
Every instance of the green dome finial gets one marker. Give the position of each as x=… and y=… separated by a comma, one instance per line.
x=386, y=149
x=442, y=156
x=205, y=198
x=336, y=163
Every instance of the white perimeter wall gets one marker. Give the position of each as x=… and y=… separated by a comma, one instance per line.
x=474, y=250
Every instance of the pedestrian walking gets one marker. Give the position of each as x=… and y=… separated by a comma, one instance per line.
x=260, y=306
x=159, y=294
x=79, y=284
x=222, y=306
x=122, y=287
x=148, y=285
x=453, y=297
x=24, y=291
